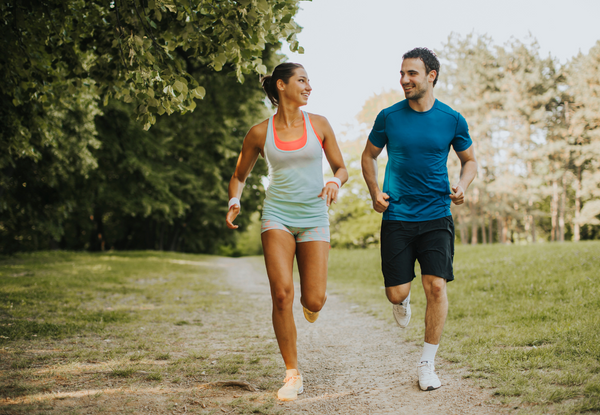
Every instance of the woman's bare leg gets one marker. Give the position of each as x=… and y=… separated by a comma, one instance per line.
x=279, y=248
x=312, y=264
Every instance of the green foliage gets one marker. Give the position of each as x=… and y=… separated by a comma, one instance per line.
x=509, y=96
x=353, y=222
x=158, y=189
x=133, y=51
x=375, y=104
x=584, y=129
x=76, y=176
x=524, y=318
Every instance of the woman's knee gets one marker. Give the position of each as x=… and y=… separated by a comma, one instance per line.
x=314, y=303
x=283, y=299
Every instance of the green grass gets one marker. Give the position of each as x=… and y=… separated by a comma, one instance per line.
x=138, y=320
x=524, y=319
x=58, y=294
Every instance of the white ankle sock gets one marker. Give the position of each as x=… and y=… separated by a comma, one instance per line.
x=429, y=351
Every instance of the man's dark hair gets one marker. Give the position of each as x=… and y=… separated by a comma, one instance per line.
x=429, y=59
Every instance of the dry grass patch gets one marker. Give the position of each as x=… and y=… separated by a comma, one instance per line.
x=129, y=333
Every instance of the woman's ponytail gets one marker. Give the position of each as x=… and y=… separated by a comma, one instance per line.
x=284, y=72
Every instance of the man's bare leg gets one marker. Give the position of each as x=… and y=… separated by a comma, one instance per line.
x=397, y=293
x=399, y=296
x=435, y=318
x=437, y=308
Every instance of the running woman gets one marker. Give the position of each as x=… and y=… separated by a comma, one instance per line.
x=417, y=224
x=294, y=220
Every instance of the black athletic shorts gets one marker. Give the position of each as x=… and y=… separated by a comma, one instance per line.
x=430, y=242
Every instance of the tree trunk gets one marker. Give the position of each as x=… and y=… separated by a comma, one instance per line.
x=533, y=234
x=175, y=239
x=576, y=231
x=462, y=227
x=474, y=228
x=562, y=210
x=491, y=230
x=504, y=231
x=554, y=211
x=162, y=236
x=483, y=235
x=474, y=203
x=97, y=238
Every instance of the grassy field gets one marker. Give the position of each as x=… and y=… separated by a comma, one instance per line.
x=524, y=319
x=122, y=332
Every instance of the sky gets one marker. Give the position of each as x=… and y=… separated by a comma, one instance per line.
x=353, y=48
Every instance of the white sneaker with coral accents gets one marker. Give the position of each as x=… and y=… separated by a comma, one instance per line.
x=293, y=386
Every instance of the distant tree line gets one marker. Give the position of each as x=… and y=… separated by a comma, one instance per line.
x=535, y=124
x=83, y=82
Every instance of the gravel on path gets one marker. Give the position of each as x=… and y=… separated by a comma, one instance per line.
x=353, y=363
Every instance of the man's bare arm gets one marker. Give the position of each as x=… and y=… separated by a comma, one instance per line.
x=369, y=170
x=468, y=171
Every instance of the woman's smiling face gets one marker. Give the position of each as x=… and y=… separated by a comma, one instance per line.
x=298, y=87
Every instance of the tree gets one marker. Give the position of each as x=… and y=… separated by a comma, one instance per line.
x=135, y=51
x=531, y=95
x=583, y=76
x=354, y=223
x=510, y=97
x=470, y=82
x=38, y=192
x=75, y=174
x=159, y=189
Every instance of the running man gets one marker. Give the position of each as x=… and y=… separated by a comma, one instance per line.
x=294, y=219
x=417, y=224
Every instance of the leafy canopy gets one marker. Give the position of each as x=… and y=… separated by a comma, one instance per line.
x=133, y=50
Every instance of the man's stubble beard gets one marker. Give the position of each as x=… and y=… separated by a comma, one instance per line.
x=416, y=95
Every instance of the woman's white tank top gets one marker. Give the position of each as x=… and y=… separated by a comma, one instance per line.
x=295, y=181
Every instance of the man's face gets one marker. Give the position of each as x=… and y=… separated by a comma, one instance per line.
x=414, y=79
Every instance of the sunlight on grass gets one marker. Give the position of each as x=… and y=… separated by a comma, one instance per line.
x=117, y=321
x=525, y=319
x=62, y=293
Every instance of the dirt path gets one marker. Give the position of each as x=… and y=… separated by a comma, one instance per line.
x=355, y=364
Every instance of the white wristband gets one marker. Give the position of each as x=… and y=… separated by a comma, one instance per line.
x=234, y=201
x=336, y=181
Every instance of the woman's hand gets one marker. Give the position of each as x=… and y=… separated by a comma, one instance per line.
x=231, y=215
x=329, y=193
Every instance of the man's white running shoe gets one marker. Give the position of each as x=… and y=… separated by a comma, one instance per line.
x=293, y=386
x=402, y=312
x=428, y=380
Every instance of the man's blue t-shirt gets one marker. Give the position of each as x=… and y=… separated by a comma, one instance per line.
x=418, y=143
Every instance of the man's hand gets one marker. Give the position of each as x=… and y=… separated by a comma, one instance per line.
x=458, y=198
x=380, y=204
